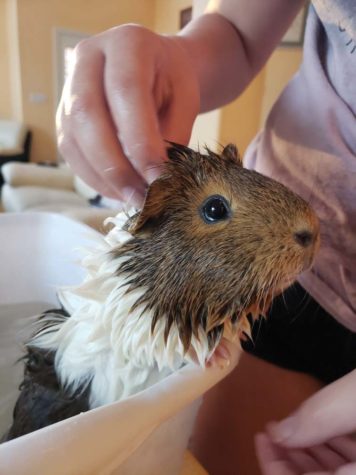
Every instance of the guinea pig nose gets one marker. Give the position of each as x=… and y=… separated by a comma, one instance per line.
x=304, y=238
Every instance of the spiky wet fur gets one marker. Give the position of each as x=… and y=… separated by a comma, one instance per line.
x=164, y=283
x=43, y=400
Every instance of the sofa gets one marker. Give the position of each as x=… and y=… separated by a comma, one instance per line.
x=34, y=187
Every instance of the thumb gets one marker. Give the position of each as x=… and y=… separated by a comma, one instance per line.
x=328, y=413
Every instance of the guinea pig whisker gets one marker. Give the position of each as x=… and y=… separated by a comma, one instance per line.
x=284, y=301
x=259, y=323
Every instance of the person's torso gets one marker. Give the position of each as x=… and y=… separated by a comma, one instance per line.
x=309, y=144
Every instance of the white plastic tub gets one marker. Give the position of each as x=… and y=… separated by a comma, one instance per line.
x=146, y=434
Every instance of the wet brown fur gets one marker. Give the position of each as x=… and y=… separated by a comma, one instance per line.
x=197, y=274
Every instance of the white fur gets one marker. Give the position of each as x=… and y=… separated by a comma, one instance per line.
x=104, y=341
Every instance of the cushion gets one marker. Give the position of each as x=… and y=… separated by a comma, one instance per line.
x=93, y=217
x=83, y=189
x=28, y=197
x=30, y=174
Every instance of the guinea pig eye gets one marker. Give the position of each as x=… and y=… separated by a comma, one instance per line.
x=215, y=209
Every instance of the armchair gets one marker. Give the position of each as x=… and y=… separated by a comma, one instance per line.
x=15, y=142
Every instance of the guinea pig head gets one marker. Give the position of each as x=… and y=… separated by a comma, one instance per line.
x=215, y=242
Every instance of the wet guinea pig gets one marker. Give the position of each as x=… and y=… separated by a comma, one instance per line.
x=213, y=243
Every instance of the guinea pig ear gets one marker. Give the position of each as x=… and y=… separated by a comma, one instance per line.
x=177, y=152
x=230, y=152
x=153, y=208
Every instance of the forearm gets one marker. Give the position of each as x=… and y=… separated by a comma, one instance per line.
x=219, y=58
x=231, y=43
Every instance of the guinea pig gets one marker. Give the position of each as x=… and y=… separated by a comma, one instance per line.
x=213, y=244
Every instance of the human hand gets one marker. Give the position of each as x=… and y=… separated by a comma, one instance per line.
x=314, y=440
x=129, y=90
x=229, y=346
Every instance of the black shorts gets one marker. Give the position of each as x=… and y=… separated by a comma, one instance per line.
x=300, y=335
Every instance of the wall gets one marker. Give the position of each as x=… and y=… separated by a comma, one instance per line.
x=5, y=98
x=282, y=65
x=36, y=22
x=240, y=120
x=10, y=70
x=167, y=14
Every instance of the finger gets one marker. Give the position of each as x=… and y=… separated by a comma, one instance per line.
x=345, y=446
x=95, y=133
x=323, y=472
x=80, y=167
x=221, y=356
x=176, y=123
x=327, y=457
x=304, y=461
x=272, y=459
x=177, y=120
x=131, y=103
x=234, y=349
x=349, y=469
x=329, y=413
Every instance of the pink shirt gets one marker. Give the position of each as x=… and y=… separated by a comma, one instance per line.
x=309, y=144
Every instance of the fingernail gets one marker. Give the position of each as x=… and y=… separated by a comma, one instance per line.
x=132, y=197
x=282, y=431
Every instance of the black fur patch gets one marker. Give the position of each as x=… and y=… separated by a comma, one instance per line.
x=43, y=400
